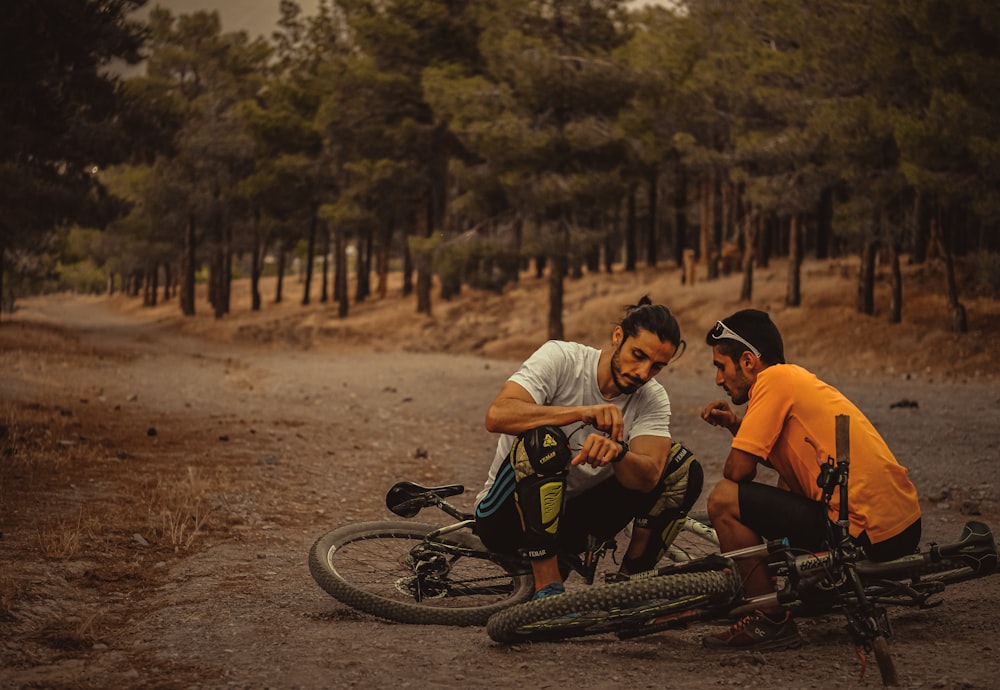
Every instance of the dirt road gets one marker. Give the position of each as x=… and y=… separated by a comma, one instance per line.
x=165, y=544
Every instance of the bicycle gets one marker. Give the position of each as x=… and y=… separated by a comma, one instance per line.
x=413, y=572
x=675, y=596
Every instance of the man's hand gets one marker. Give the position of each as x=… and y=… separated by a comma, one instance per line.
x=597, y=451
x=719, y=413
x=606, y=418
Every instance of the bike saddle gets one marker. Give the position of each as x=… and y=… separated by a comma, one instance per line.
x=406, y=498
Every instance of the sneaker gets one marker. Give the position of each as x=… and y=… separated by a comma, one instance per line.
x=549, y=590
x=756, y=632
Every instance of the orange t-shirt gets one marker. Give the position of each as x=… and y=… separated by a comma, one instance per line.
x=788, y=405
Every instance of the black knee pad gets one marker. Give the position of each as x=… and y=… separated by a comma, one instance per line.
x=680, y=486
x=543, y=451
x=540, y=458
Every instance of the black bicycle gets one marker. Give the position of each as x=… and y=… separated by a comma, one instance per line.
x=710, y=588
x=414, y=572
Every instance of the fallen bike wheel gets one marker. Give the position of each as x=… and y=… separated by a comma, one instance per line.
x=390, y=570
x=622, y=606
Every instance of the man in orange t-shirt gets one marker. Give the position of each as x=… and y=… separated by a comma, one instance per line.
x=789, y=426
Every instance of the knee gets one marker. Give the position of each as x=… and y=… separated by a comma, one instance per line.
x=541, y=452
x=724, y=500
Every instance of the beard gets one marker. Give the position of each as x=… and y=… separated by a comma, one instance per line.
x=626, y=385
x=740, y=393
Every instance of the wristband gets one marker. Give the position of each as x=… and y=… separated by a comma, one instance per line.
x=623, y=453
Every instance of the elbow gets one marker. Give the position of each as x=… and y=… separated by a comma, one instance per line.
x=492, y=421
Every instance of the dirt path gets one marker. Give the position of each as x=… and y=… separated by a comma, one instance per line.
x=266, y=449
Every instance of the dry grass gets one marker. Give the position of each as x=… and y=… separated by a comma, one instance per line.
x=180, y=507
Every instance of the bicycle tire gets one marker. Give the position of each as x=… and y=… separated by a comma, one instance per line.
x=363, y=566
x=886, y=665
x=613, y=607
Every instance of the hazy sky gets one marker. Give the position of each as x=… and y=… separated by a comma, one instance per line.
x=258, y=17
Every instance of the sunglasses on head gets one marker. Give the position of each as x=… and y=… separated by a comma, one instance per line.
x=722, y=331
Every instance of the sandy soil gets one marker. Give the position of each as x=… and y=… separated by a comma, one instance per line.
x=162, y=480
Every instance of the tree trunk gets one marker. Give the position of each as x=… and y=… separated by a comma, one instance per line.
x=557, y=273
x=310, y=258
x=896, y=299
x=824, y=224
x=188, y=269
x=364, y=260
x=256, y=263
x=709, y=250
x=793, y=294
x=921, y=229
x=750, y=230
x=3, y=252
x=382, y=264
x=680, y=216
x=866, y=278
x=340, y=273
x=168, y=281
x=652, y=210
x=152, y=278
x=227, y=267
x=324, y=293
x=282, y=258
x=407, y=260
x=423, y=266
x=630, y=231
x=959, y=317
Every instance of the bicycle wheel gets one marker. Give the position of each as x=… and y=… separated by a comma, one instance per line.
x=373, y=567
x=886, y=666
x=615, y=607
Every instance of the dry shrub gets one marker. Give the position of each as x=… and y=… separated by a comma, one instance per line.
x=179, y=508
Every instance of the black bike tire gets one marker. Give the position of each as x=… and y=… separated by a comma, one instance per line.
x=571, y=614
x=886, y=665
x=402, y=611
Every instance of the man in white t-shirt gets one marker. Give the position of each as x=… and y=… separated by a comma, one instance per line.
x=585, y=448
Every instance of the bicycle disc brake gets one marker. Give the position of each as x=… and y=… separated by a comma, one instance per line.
x=430, y=572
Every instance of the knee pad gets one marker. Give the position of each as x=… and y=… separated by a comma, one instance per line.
x=680, y=485
x=543, y=451
x=540, y=458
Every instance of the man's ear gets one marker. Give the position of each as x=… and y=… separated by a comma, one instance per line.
x=617, y=336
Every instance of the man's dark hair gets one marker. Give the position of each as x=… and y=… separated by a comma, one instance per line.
x=654, y=318
x=755, y=327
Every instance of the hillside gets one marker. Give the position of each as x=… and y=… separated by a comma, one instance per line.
x=826, y=332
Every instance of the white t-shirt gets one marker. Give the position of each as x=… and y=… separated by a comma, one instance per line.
x=565, y=374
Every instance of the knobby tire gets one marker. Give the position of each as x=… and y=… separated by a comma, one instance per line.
x=364, y=566
x=886, y=666
x=613, y=607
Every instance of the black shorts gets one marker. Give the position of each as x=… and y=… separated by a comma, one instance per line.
x=601, y=511
x=774, y=513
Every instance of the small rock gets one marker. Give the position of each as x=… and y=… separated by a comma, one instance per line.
x=151, y=431
x=139, y=539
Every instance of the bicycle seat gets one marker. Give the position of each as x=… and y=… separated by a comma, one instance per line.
x=406, y=498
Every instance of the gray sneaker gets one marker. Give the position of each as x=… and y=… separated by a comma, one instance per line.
x=756, y=632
